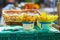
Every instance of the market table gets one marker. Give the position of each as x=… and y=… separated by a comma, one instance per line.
x=21, y=34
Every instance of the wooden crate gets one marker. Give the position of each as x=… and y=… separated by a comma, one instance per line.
x=58, y=11
x=56, y=26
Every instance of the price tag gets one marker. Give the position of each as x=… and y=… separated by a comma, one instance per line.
x=28, y=26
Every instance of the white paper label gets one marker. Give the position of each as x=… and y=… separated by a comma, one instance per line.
x=28, y=26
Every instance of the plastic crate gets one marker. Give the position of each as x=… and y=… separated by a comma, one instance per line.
x=4, y=36
x=31, y=35
x=48, y=36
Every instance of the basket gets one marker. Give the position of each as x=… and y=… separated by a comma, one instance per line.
x=11, y=17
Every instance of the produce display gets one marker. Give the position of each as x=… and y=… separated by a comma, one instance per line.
x=18, y=16
x=27, y=19
x=45, y=20
x=44, y=17
x=12, y=16
x=31, y=6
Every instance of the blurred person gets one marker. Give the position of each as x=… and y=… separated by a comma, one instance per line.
x=10, y=1
x=14, y=1
x=50, y=3
x=42, y=7
x=47, y=3
x=9, y=4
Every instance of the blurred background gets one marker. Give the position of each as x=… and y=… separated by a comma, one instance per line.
x=46, y=5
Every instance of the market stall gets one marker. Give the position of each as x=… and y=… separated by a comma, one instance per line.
x=34, y=34
x=28, y=23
